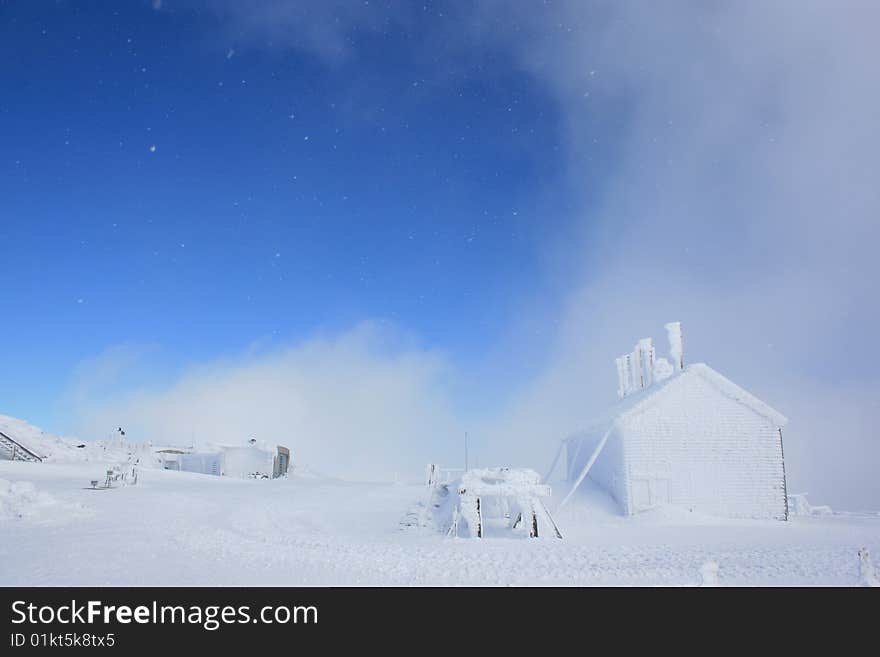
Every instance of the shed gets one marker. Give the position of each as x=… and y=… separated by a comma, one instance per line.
x=693, y=439
x=251, y=459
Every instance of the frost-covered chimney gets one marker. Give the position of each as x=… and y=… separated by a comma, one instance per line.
x=645, y=350
x=641, y=368
x=622, y=376
x=673, y=332
x=635, y=370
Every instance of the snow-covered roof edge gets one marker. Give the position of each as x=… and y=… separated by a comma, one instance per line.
x=637, y=402
x=741, y=395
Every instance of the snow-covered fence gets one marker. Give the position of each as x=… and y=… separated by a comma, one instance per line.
x=122, y=475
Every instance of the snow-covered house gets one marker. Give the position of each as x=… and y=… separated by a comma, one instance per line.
x=683, y=436
x=251, y=459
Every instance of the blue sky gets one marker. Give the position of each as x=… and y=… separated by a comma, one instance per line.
x=368, y=227
x=286, y=193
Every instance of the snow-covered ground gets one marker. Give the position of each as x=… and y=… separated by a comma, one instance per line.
x=176, y=528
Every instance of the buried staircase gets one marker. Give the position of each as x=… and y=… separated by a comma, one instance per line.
x=15, y=451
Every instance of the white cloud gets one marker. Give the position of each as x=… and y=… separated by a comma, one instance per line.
x=741, y=198
x=367, y=404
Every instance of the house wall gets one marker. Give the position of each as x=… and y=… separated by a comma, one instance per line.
x=696, y=448
x=242, y=461
x=202, y=462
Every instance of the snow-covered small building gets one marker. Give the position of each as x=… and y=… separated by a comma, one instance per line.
x=251, y=459
x=683, y=436
x=169, y=458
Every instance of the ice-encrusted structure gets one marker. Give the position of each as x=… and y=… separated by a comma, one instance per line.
x=486, y=502
x=692, y=439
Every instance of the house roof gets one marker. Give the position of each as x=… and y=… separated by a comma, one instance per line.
x=637, y=402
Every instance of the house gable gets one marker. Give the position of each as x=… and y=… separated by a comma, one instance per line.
x=724, y=386
x=696, y=445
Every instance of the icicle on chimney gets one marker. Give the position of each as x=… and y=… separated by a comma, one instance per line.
x=673, y=332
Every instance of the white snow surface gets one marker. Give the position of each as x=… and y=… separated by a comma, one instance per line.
x=178, y=528
x=502, y=481
x=21, y=499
